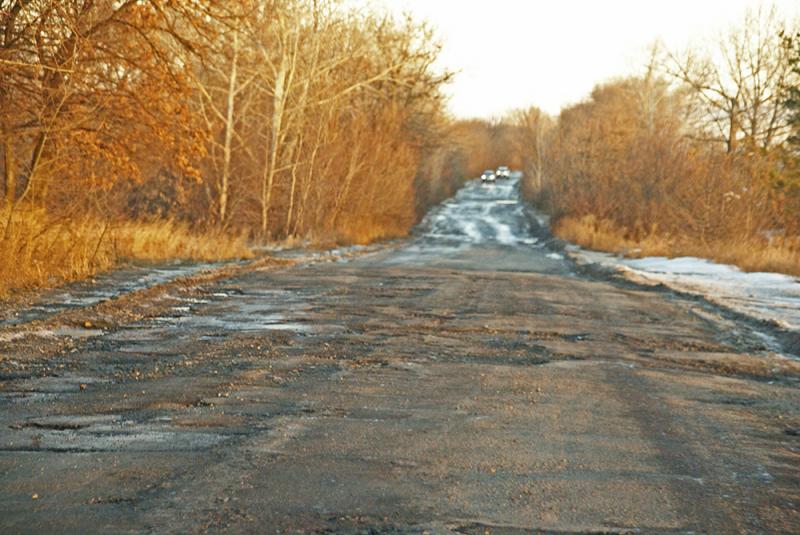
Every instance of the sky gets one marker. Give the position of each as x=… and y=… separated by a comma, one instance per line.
x=550, y=53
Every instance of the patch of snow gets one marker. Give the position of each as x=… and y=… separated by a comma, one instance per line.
x=765, y=296
x=554, y=256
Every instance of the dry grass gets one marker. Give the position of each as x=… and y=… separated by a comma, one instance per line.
x=603, y=235
x=781, y=256
x=168, y=240
x=38, y=249
x=777, y=256
x=364, y=230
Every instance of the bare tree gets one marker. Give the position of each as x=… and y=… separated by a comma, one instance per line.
x=532, y=126
x=738, y=85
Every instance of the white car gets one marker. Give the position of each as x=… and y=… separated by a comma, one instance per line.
x=503, y=172
x=488, y=176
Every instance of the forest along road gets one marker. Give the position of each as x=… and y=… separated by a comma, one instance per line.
x=466, y=381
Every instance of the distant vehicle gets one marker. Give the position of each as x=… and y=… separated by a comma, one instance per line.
x=503, y=172
x=488, y=176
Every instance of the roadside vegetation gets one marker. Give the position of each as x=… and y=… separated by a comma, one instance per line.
x=47, y=248
x=167, y=130
x=160, y=130
x=698, y=156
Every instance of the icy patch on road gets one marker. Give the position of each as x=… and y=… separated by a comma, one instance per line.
x=765, y=296
x=470, y=230
x=480, y=217
x=478, y=214
x=503, y=233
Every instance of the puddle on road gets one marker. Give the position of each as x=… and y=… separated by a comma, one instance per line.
x=70, y=422
x=76, y=332
x=27, y=397
x=234, y=323
x=223, y=313
x=109, y=436
x=241, y=311
x=56, y=384
x=37, y=389
x=229, y=310
x=103, y=432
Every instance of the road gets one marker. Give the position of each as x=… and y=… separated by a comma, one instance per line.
x=468, y=380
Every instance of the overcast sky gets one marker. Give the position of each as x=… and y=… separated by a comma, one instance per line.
x=550, y=53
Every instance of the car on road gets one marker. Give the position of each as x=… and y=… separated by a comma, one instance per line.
x=503, y=172
x=488, y=176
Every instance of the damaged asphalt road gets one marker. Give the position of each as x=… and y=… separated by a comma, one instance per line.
x=466, y=381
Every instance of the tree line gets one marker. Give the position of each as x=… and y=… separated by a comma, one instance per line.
x=155, y=129
x=698, y=155
x=277, y=118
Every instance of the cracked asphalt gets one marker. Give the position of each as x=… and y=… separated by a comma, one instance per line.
x=468, y=380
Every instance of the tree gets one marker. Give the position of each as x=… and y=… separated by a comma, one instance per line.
x=739, y=95
x=88, y=89
x=791, y=44
x=532, y=126
x=272, y=118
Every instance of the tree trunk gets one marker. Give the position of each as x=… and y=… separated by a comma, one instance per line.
x=734, y=127
x=352, y=169
x=9, y=175
x=539, y=155
x=36, y=158
x=229, y=117
x=306, y=186
x=293, y=187
x=9, y=162
x=272, y=146
x=301, y=104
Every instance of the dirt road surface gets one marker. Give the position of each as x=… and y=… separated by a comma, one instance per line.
x=468, y=380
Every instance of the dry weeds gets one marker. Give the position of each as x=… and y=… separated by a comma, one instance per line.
x=38, y=249
x=365, y=229
x=776, y=255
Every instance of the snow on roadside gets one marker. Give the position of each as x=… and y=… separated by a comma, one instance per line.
x=765, y=296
